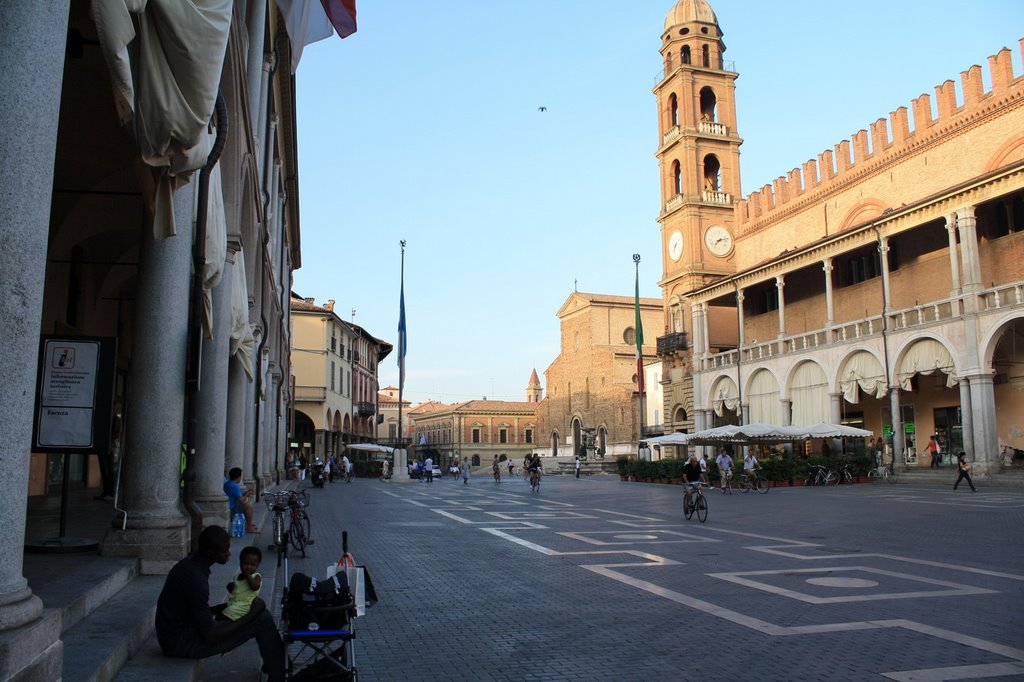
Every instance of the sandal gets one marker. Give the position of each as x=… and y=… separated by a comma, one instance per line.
x=253, y=531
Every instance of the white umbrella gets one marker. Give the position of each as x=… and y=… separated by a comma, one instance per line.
x=369, y=447
x=669, y=439
x=823, y=430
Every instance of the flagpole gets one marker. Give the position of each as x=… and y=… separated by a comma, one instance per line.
x=639, y=352
x=401, y=342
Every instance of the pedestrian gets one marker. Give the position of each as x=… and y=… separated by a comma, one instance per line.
x=428, y=469
x=302, y=467
x=577, y=466
x=933, y=450
x=496, y=469
x=703, y=462
x=511, y=467
x=384, y=470
x=239, y=498
x=965, y=472
x=465, y=471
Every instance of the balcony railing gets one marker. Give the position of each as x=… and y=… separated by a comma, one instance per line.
x=922, y=315
x=672, y=343
x=365, y=409
x=313, y=394
x=712, y=128
x=674, y=203
x=671, y=135
x=714, y=197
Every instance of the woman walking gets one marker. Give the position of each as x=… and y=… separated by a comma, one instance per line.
x=965, y=471
x=465, y=471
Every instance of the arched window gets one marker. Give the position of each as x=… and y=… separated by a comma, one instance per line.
x=684, y=54
x=708, y=105
x=554, y=443
x=629, y=336
x=675, y=311
x=673, y=109
x=677, y=177
x=668, y=63
x=706, y=56
x=712, y=171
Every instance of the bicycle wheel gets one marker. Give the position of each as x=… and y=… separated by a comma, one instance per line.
x=702, y=509
x=744, y=484
x=299, y=533
x=831, y=478
x=762, y=485
x=687, y=509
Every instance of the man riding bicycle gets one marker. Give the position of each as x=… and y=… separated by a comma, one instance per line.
x=533, y=468
x=750, y=468
x=691, y=474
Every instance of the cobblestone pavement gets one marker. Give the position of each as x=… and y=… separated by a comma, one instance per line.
x=598, y=579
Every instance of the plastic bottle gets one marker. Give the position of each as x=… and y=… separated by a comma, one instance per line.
x=238, y=526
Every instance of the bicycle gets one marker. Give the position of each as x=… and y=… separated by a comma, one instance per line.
x=1010, y=456
x=759, y=483
x=698, y=504
x=298, y=533
x=845, y=476
x=882, y=472
x=818, y=474
x=534, y=480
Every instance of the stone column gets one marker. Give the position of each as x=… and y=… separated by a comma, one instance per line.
x=780, y=285
x=705, y=342
x=252, y=411
x=967, y=419
x=31, y=74
x=830, y=312
x=966, y=223
x=883, y=257
x=954, y=261
x=270, y=411
x=255, y=21
x=787, y=411
x=739, y=317
x=212, y=403
x=983, y=423
x=835, y=407
x=234, y=442
x=156, y=531
x=897, y=426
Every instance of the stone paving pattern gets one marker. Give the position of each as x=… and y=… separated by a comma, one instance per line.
x=599, y=579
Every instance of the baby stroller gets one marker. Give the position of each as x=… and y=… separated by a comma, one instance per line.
x=317, y=629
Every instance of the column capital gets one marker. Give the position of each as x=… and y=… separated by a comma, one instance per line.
x=826, y=265
x=234, y=245
x=780, y=281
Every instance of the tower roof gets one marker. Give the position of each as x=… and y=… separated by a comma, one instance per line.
x=686, y=11
x=534, y=380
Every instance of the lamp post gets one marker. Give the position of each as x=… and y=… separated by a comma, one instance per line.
x=639, y=354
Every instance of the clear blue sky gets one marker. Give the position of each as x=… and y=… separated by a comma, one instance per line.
x=424, y=126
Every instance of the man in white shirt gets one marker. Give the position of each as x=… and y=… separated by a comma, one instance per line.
x=428, y=469
x=724, y=462
x=750, y=468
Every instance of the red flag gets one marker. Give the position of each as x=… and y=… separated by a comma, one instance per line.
x=342, y=15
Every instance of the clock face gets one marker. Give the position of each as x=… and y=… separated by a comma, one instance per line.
x=675, y=245
x=718, y=240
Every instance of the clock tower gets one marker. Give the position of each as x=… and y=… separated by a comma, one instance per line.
x=698, y=158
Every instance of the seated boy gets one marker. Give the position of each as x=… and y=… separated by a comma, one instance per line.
x=238, y=499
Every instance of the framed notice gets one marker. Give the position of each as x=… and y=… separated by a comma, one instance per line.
x=74, y=394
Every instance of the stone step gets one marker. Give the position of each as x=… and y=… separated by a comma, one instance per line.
x=77, y=585
x=98, y=646
x=149, y=664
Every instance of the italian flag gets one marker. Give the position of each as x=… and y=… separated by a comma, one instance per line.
x=639, y=339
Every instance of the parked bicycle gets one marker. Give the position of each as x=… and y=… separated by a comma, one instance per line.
x=845, y=475
x=1010, y=456
x=882, y=472
x=297, y=533
x=698, y=504
x=758, y=483
x=818, y=474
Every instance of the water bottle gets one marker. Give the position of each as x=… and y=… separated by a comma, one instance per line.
x=238, y=526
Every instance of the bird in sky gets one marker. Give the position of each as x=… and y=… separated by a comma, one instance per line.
x=542, y=108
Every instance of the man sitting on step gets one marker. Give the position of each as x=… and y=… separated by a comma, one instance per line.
x=185, y=625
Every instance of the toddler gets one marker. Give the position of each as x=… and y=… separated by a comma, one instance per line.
x=246, y=585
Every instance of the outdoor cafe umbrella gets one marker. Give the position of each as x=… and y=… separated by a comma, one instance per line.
x=823, y=430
